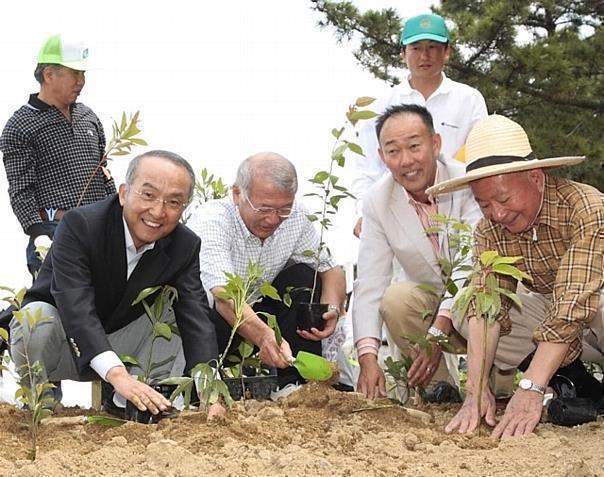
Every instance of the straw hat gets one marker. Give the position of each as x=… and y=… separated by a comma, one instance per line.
x=497, y=145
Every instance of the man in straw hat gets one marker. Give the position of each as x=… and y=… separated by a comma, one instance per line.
x=398, y=214
x=557, y=226
x=52, y=145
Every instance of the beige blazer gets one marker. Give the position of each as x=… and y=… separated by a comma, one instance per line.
x=392, y=230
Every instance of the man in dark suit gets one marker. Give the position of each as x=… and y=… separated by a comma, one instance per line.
x=102, y=256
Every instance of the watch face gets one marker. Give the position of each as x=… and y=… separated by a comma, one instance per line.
x=525, y=384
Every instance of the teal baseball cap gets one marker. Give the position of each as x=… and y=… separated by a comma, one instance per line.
x=424, y=27
x=57, y=51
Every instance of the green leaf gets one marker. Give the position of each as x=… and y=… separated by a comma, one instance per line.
x=127, y=359
x=266, y=289
x=355, y=148
x=337, y=132
x=363, y=101
x=105, y=421
x=163, y=330
x=364, y=114
x=510, y=270
x=4, y=335
x=145, y=293
x=487, y=257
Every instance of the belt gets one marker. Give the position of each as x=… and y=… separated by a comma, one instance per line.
x=58, y=215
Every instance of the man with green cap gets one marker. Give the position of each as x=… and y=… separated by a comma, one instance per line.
x=52, y=147
x=454, y=106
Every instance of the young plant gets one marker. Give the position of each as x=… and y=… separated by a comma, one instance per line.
x=328, y=189
x=160, y=329
x=124, y=137
x=33, y=391
x=455, y=266
x=206, y=188
x=239, y=291
x=485, y=292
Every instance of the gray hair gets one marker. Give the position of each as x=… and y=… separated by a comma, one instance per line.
x=39, y=71
x=269, y=166
x=167, y=155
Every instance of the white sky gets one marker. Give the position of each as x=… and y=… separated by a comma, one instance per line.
x=214, y=81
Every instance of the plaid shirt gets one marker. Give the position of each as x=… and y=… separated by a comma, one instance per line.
x=563, y=253
x=49, y=160
x=228, y=246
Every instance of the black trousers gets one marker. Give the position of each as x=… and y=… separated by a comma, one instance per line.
x=299, y=276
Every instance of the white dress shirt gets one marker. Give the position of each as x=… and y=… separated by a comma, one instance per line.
x=106, y=360
x=454, y=107
x=228, y=246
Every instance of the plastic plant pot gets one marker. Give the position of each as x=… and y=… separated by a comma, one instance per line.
x=146, y=417
x=310, y=315
x=252, y=387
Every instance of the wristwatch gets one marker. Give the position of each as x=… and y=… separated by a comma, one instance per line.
x=335, y=308
x=529, y=385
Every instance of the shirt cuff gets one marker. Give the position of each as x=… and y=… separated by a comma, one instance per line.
x=105, y=361
x=367, y=345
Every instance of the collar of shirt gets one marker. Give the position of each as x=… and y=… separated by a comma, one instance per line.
x=444, y=87
x=36, y=103
x=132, y=255
x=432, y=199
x=548, y=212
x=548, y=215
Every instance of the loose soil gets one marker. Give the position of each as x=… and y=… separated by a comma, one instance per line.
x=314, y=432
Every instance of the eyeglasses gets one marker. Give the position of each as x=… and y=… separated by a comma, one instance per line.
x=282, y=212
x=151, y=198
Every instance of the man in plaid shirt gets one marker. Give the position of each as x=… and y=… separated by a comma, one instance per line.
x=557, y=227
x=52, y=147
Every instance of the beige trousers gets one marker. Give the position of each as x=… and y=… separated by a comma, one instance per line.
x=403, y=304
x=402, y=307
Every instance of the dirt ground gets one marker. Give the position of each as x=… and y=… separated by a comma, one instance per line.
x=315, y=432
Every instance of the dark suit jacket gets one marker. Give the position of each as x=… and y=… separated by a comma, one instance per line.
x=84, y=276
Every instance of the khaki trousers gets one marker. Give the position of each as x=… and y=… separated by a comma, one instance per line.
x=402, y=307
x=403, y=304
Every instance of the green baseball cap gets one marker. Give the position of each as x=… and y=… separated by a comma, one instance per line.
x=424, y=27
x=56, y=51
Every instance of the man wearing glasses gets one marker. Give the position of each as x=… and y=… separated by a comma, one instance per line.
x=262, y=223
x=102, y=256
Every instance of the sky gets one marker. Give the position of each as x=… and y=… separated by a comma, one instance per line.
x=214, y=81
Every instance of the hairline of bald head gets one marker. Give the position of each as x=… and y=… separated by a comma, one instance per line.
x=271, y=167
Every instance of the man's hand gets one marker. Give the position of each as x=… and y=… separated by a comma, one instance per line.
x=331, y=320
x=273, y=355
x=522, y=415
x=216, y=412
x=357, y=228
x=142, y=396
x=424, y=366
x=371, y=377
x=467, y=419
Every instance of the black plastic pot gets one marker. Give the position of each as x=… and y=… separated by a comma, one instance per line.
x=146, y=417
x=252, y=387
x=310, y=315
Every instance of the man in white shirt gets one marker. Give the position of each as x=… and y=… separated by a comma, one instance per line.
x=454, y=107
x=263, y=223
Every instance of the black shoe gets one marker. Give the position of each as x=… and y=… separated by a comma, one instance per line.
x=571, y=411
x=574, y=381
x=442, y=392
x=345, y=388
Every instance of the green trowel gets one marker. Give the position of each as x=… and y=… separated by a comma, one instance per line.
x=312, y=367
